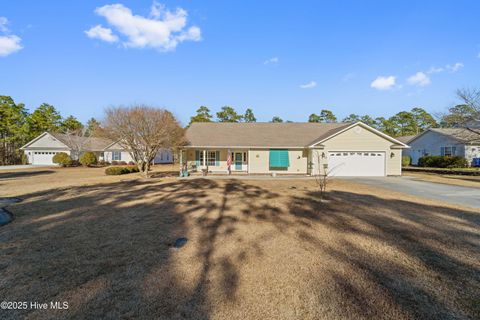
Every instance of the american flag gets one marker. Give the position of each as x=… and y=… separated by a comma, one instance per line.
x=229, y=160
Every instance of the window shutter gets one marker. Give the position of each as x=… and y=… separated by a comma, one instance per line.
x=217, y=158
x=442, y=151
x=197, y=157
x=279, y=158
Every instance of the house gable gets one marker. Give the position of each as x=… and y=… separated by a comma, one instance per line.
x=45, y=141
x=360, y=136
x=432, y=141
x=114, y=146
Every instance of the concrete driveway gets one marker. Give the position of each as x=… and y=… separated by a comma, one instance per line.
x=24, y=166
x=465, y=196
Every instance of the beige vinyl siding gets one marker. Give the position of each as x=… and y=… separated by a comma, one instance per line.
x=48, y=142
x=361, y=139
x=259, y=161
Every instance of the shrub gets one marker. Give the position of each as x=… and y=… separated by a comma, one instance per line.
x=406, y=161
x=114, y=162
x=442, y=162
x=24, y=158
x=62, y=159
x=74, y=163
x=131, y=163
x=103, y=163
x=122, y=163
x=113, y=171
x=88, y=159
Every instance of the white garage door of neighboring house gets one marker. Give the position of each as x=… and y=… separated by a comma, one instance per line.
x=43, y=157
x=360, y=164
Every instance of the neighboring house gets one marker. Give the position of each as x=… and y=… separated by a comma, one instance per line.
x=463, y=142
x=292, y=148
x=41, y=150
x=115, y=152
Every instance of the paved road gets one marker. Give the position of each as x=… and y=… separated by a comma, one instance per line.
x=466, y=196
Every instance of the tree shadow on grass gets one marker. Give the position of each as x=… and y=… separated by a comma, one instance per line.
x=429, y=267
x=23, y=174
x=107, y=250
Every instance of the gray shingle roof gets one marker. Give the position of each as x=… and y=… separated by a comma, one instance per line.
x=259, y=134
x=466, y=135
x=406, y=139
x=86, y=143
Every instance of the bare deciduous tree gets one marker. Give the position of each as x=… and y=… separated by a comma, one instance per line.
x=321, y=174
x=471, y=98
x=78, y=141
x=143, y=131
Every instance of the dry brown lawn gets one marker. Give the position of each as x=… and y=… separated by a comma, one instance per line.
x=256, y=250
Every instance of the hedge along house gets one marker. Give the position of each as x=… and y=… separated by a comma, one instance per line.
x=41, y=150
x=345, y=149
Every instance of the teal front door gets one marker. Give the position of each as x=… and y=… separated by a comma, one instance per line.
x=238, y=161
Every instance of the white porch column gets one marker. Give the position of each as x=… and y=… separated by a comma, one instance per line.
x=204, y=158
x=181, y=161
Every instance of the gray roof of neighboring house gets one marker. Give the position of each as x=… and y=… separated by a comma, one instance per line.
x=85, y=143
x=259, y=134
x=406, y=139
x=466, y=135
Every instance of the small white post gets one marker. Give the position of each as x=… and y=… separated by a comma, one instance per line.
x=204, y=158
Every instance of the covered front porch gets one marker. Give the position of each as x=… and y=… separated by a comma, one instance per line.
x=214, y=160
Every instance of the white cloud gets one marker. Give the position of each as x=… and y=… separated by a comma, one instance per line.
x=457, y=66
x=9, y=43
x=156, y=10
x=348, y=77
x=309, y=85
x=435, y=70
x=383, y=83
x=164, y=30
x=99, y=32
x=419, y=79
x=273, y=60
x=3, y=24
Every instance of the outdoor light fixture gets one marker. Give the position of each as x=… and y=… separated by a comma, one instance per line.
x=392, y=155
x=323, y=154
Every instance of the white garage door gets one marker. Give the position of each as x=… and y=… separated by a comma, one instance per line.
x=43, y=157
x=351, y=164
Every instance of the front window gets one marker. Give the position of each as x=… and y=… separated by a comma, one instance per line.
x=116, y=156
x=211, y=158
x=449, y=151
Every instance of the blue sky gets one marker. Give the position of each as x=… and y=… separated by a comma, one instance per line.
x=286, y=59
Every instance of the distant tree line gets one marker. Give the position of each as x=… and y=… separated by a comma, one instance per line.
x=18, y=126
x=403, y=123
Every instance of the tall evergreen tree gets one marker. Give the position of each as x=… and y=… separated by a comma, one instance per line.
x=249, y=117
x=228, y=114
x=44, y=118
x=70, y=123
x=93, y=127
x=324, y=116
x=13, y=130
x=203, y=115
x=276, y=119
